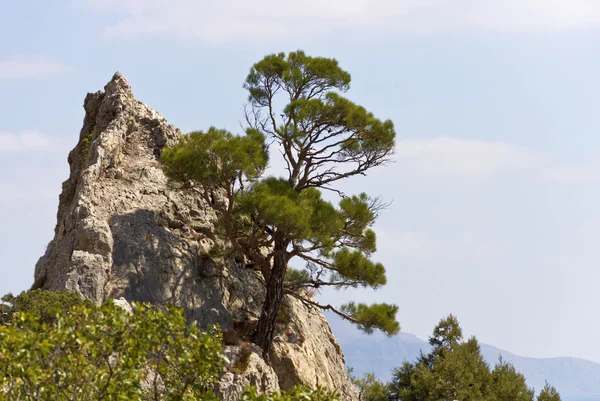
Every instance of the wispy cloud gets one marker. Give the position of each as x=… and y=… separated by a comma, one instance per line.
x=265, y=20
x=494, y=15
x=27, y=141
x=422, y=247
x=228, y=20
x=455, y=157
x=452, y=159
x=575, y=174
x=30, y=66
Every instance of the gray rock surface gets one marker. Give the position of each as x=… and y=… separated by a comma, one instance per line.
x=124, y=232
x=256, y=373
x=306, y=351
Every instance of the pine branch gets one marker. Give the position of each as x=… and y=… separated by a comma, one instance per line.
x=324, y=307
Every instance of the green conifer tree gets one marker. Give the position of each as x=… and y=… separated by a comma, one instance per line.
x=456, y=370
x=548, y=393
x=371, y=389
x=508, y=384
x=296, y=104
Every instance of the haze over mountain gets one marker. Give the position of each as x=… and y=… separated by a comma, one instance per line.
x=576, y=379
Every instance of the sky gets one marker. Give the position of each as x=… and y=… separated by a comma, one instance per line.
x=495, y=187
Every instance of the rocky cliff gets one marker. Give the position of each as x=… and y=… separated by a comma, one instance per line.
x=123, y=232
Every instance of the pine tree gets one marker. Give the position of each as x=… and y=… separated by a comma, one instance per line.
x=548, y=393
x=456, y=370
x=323, y=138
x=508, y=384
x=371, y=389
x=453, y=370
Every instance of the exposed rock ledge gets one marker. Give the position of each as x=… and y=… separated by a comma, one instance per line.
x=123, y=232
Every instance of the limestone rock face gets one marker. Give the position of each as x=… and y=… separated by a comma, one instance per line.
x=123, y=232
x=256, y=373
x=307, y=352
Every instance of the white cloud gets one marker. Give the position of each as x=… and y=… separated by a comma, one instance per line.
x=422, y=247
x=224, y=20
x=30, y=66
x=27, y=141
x=409, y=245
x=575, y=174
x=454, y=157
x=261, y=20
x=495, y=15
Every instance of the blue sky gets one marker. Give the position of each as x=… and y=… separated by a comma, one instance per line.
x=496, y=183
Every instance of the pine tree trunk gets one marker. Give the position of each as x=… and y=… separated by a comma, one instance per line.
x=265, y=329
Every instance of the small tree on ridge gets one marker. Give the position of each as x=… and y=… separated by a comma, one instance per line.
x=323, y=138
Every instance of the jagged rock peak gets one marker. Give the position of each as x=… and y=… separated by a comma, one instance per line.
x=123, y=232
x=118, y=83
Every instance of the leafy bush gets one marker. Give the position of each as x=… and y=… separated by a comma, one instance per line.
x=102, y=353
x=56, y=346
x=42, y=304
x=298, y=393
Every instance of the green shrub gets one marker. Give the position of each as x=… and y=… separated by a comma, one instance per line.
x=298, y=393
x=56, y=346
x=86, y=143
x=102, y=353
x=40, y=303
x=243, y=361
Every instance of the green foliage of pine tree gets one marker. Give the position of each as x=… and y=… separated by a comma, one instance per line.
x=508, y=384
x=456, y=370
x=461, y=373
x=296, y=103
x=371, y=389
x=548, y=393
x=380, y=316
x=402, y=387
x=446, y=334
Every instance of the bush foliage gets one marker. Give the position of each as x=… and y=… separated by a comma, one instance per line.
x=102, y=353
x=56, y=346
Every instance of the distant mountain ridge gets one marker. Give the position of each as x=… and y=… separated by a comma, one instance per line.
x=576, y=379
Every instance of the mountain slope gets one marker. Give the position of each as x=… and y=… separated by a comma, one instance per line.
x=573, y=377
